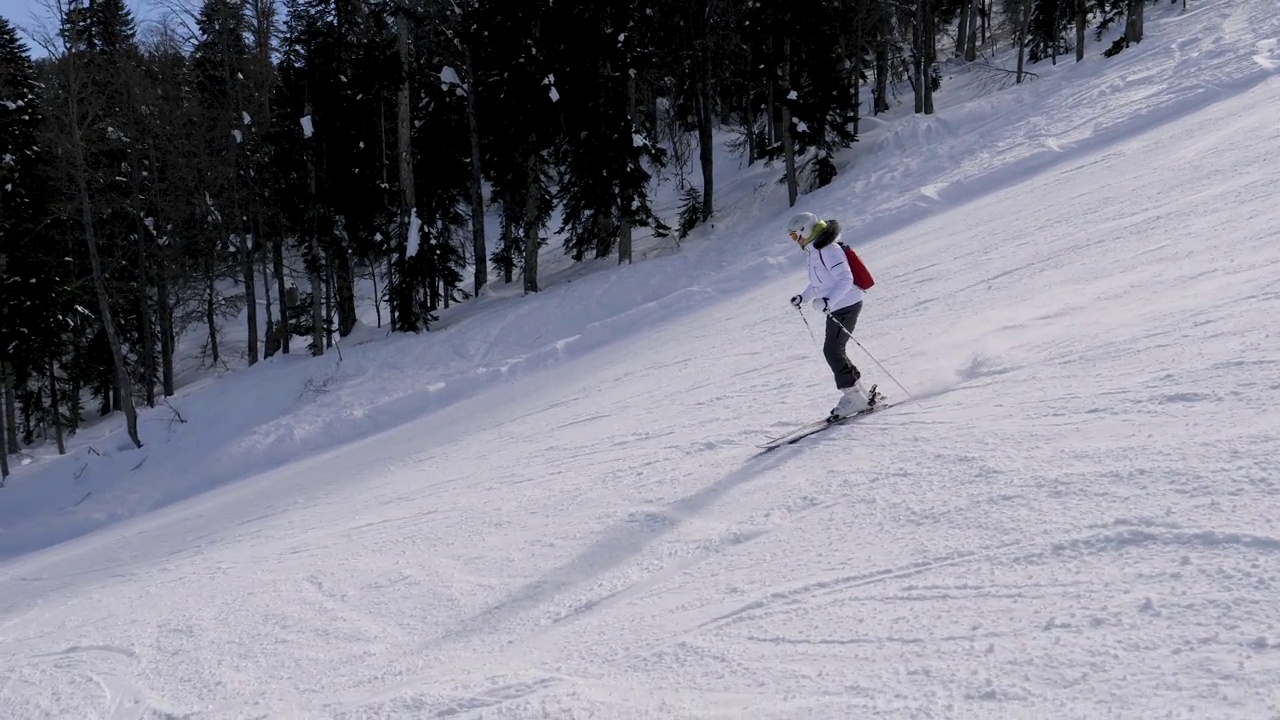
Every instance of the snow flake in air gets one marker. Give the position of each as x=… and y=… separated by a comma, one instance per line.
x=415, y=227
x=449, y=79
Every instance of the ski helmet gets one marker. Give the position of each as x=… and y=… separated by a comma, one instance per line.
x=804, y=227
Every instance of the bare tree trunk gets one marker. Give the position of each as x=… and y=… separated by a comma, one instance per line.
x=511, y=219
x=928, y=49
x=706, y=156
x=329, y=283
x=748, y=117
x=432, y=285
x=237, y=225
x=10, y=408
x=772, y=131
x=531, y=241
x=1133, y=22
x=211, y=319
x=277, y=266
x=404, y=148
x=626, y=219
x=986, y=15
x=625, y=227
x=854, y=58
x=706, y=142
x=246, y=271
x=247, y=275
x=971, y=44
x=81, y=172
x=4, y=459
x=122, y=382
x=1024, y=25
x=788, y=143
x=58, y=430
x=882, y=74
x=1057, y=36
x=1082, y=22
x=144, y=317
x=317, y=297
x=919, y=57
x=344, y=287
x=250, y=290
x=478, y=244
x=962, y=29
x=625, y=231
x=164, y=311
x=377, y=298
x=391, y=286
x=262, y=16
x=270, y=339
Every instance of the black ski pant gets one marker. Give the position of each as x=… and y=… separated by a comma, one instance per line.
x=840, y=324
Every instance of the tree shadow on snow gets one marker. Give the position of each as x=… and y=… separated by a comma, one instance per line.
x=615, y=547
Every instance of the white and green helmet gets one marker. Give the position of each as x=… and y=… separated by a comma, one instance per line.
x=805, y=227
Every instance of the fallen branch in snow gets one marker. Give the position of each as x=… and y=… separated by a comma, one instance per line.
x=1007, y=71
x=319, y=385
x=177, y=416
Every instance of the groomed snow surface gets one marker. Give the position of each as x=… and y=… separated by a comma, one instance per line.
x=554, y=506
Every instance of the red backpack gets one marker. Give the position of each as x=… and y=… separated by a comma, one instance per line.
x=861, y=276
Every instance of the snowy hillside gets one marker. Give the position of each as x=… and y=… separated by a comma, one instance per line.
x=555, y=507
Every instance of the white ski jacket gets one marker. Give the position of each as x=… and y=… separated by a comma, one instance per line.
x=829, y=274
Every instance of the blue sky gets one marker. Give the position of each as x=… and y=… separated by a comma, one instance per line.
x=29, y=14
x=20, y=13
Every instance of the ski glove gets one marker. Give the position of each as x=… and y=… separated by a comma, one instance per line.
x=796, y=301
x=820, y=304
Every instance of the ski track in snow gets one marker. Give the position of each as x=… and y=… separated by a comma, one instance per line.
x=566, y=516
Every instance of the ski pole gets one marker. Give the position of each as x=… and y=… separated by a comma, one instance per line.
x=806, y=323
x=873, y=357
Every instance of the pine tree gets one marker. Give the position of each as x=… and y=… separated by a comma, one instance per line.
x=19, y=122
x=260, y=83
x=93, y=126
x=34, y=290
x=330, y=145
x=1110, y=12
x=173, y=155
x=360, y=45
x=593, y=151
x=443, y=158
x=220, y=65
x=452, y=53
x=1050, y=21
x=824, y=109
x=304, y=69
x=699, y=35
x=518, y=81
x=603, y=155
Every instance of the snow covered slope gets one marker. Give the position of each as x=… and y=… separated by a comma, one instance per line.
x=555, y=507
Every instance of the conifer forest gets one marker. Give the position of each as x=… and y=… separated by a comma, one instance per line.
x=257, y=162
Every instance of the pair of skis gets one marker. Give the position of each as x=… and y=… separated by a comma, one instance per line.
x=814, y=428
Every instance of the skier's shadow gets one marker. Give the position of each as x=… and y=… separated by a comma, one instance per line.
x=620, y=543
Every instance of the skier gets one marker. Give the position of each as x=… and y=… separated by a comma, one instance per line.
x=833, y=293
